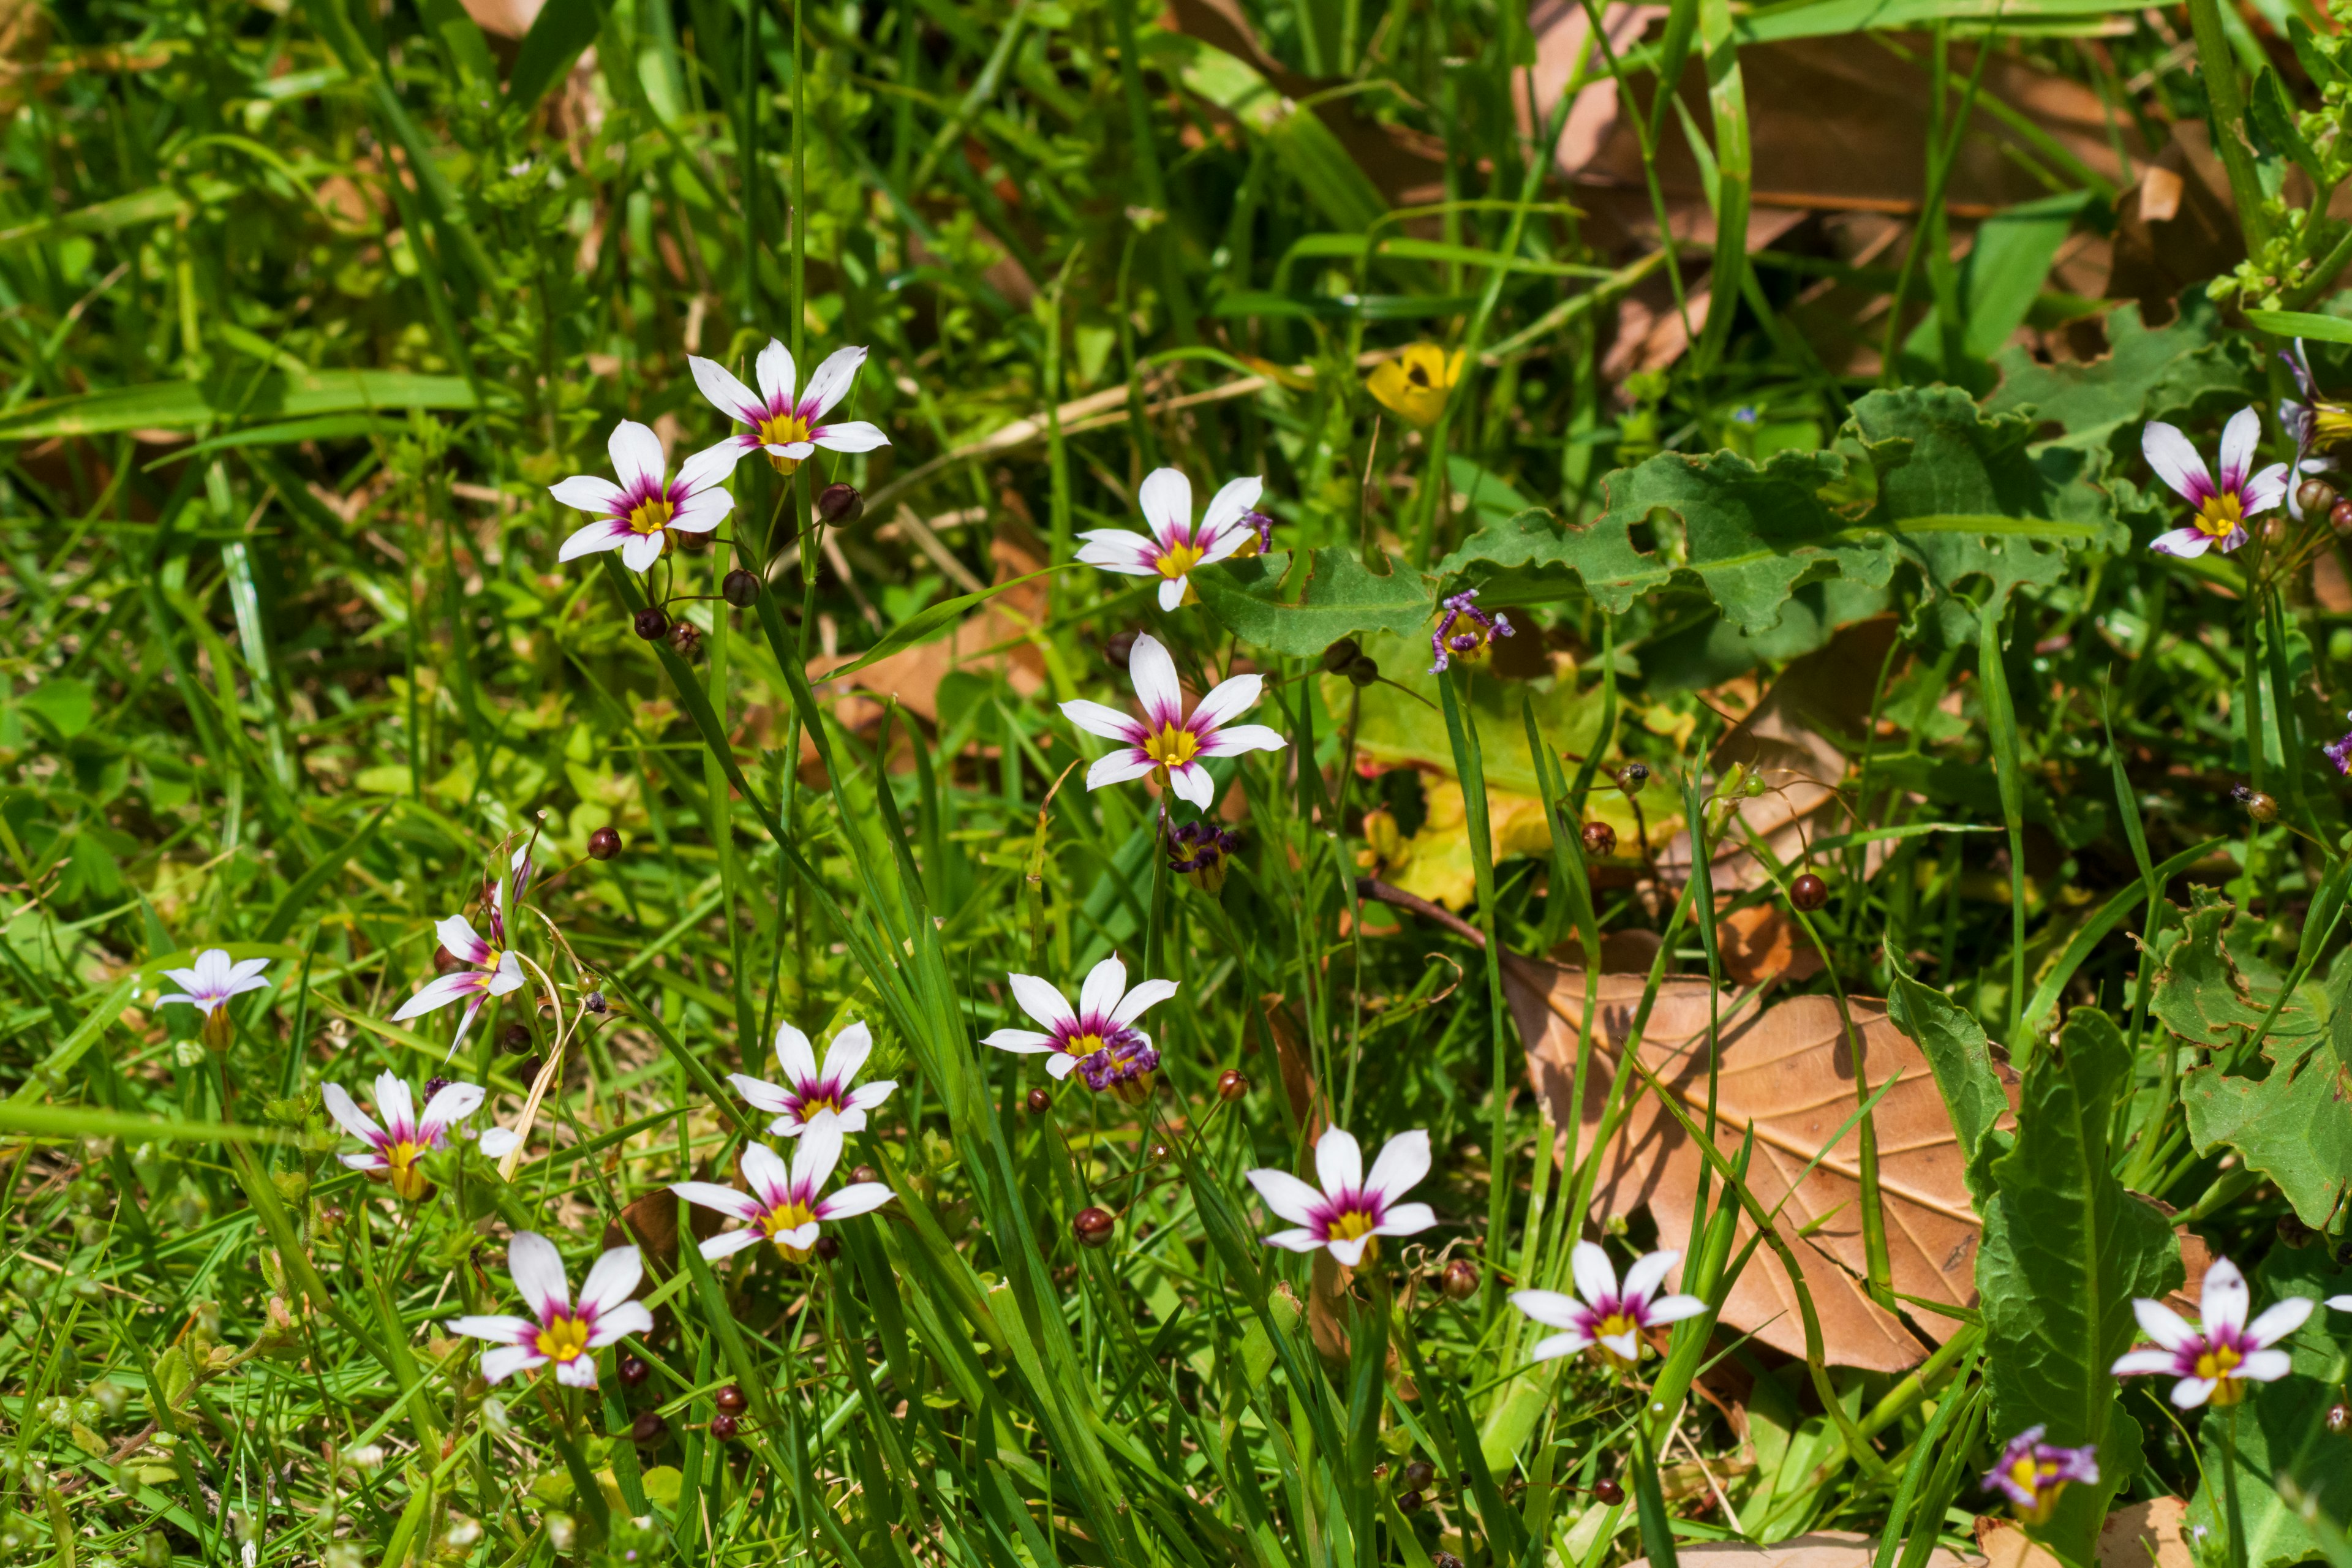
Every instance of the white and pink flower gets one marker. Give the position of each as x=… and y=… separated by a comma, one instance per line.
x=1167, y=740
x=397, y=1148
x=557, y=1332
x=789, y=429
x=643, y=515
x=492, y=970
x=783, y=1206
x=1353, y=1210
x=2222, y=506
x=809, y=1090
x=1611, y=1316
x=2215, y=1359
x=1175, y=546
x=1097, y=1038
x=209, y=984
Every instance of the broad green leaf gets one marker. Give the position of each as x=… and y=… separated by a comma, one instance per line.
x=2206, y=994
x=2004, y=274
x=1406, y=726
x=2148, y=373
x=1974, y=1086
x=2065, y=1251
x=2282, y=1430
x=67, y=703
x=1338, y=599
x=1748, y=534
x=244, y=394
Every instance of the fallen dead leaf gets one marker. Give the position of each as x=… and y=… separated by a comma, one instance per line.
x=1820, y=1549
x=1760, y=944
x=2144, y=1535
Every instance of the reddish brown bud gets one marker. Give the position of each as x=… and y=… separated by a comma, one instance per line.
x=1093, y=1227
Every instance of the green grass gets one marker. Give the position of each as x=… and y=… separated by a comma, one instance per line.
x=304, y=307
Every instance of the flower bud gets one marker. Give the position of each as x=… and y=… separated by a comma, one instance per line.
x=648, y=1428
x=1459, y=1281
x=651, y=624
x=740, y=589
x=1808, y=892
x=595, y=1002
x=840, y=505
x=635, y=1371
x=732, y=1399
x=2339, y=517
x=1409, y=1502
x=1600, y=839
x=2257, y=804
x=685, y=639
x=1232, y=1085
x=605, y=843
x=1633, y=777
x=1608, y=1491
x=1364, y=671
x=1093, y=1227
x=1419, y=1474
x=862, y=1173
x=723, y=1427
x=1040, y=1103
x=825, y=1247
x=2316, y=496
x=1341, y=655
x=515, y=1039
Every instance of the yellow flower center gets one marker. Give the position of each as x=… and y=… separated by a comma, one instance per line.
x=2221, y=516
x=2331, y=423
x=2218, y=1362
x=785, y=1218
x=650, y=517
x=1615, y=1326
x=1179, y=559
x=566, y=1338
x=1351, y=1224
x=811, y=1107
x=408, y=1179
x=783, y=429
x=1172, y=746
x=1083, y=1045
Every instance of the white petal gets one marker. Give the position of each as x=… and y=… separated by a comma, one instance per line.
x=830, y=384
x=1675, y=1308
x=1154, y=674
x=507, y=977
x=348, y=1114
x=1151, y=994
x=1060, y=1064
x=2191, y=1392
x=1288, y=1197
x=726, y=394
x=2134, y=1363
x=1105, y=983
x=2239, y=438
x=1040, y=1001
x=2341, y=1303
x=369, y=1161
x=776, y=374
x=456, y=935
x=2280, y=1321
x=1109, y=722
x=1550, y=1308
x=1596, y=1280
x=818, y=1152
x=538, y=1271
x=454, y=1103
x=701, y=513
x=2266, y=1366
x=1021, y=1041
x=847, y=1053
x=726, y=1200
x=850, y=435
x=2162, y=1324
x=586, y=492
x=595, y=537
x=710, y=467
x=1171, y=594
x=613, y=1281
x=1234, y=499
x=1557, y=1345
x=1191, y=783
x=628, y=1318
x=503, y=1363
x=800, y=1236
x=2224, y=1299
x=1295, y=1240
x=396, y=1104
x=1627, y=1346
x=857, y=1198
x=637, y=460
x=794, y=1055
x=1228, y=699
x=1402, y=1161
x=2174, y=458
x=501, y=1330
x=730, y=1244
x=2265, y=489
x=638, y=555
x=1649, y=1272
x=1350, y=1251
x=2183, y=544
x=497, y=1142
x=580, y=1371
x=1115, y=550
x=867, y=1095
x=1338, y=1161
x=1166, y=498
x=1406, y=1219
x=1122, y=767
x=1235, y=739
x=761, y=1094
x=765, y=1172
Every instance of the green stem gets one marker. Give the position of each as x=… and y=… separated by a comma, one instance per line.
x=2218, y=69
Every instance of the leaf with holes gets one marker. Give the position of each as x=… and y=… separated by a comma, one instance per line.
x=1340, y=598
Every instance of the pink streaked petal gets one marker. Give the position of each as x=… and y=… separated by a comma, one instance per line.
x=829, y=382
x=1675, y=1308
x=1156, y=687
x=730, y=1244
x=580, y=1371
x=1166, y=500
x=1121, y=767
x=818, y=1152
x=2174, y=458
x=347, y=1113
x=586, y=492
x=2185, y=543
x=1406, y=1219
x=1295, y=1240
x=1227, y=700
x=637, y=459
x=1551, y=1308
x=2162, y=1324
x=1648, y=1272
x=1105, y=983
x=613, y=1281
x=776, y=374
x=850, y=435
x=503, y=1363
x=1191, y=783
x=464, y=1022
x=765, y=1172
x=1109, y=722
x=1287, y=1197
x=2239, y=438
x=1234, y=499
x=726, y=394
x=2135, y=1363
x=2222, y=1300
x=1596, y=1280
x=1149, y=994
x=395, y=1105
x=456, y=934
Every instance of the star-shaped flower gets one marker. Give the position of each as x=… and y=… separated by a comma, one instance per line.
x=1098, y=1038
x=1174, y=546
x=1353, y=1210
x=207, y=986
x=1166, y=741
x=643, y=515
x=2222, y=507
x=810, y=1091
x=2215, y=1360
x=789, y=429
x=492, y=971
x=1611, y=1316
x=398, y=1146
x=2032, y=1473
x=783, y=1206
x=558, y=1332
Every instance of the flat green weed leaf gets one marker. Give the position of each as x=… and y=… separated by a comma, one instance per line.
x=67, y=703
x=2281, y=1429
x=2149, y=372
x=2211, y=994
x=1748, y=534
x=1339, y=599
x=1976, y=1088
x=2065, y=1251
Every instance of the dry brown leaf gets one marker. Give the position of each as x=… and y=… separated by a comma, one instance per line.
x=2144, y=1535
x=1761, y=943
x=1822, y=1549
x=1787, y=1072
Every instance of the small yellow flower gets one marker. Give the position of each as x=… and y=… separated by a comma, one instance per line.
x=1414, y=386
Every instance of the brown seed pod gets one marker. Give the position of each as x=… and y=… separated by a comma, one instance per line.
x=1600, y=839
x=723, y=1427
x=865, y=1173
x=732, y=1399
x=651, y=624
x=1093, y=1227
x=685, y=639
x=1633, y=777
x=1459, y=1281
x=2339, y=517
x=647, y=1429
x=1409, y=1503
x=1364, y=672
x=740, y=589
x=2257, y=804
x=1608, y=1491
x=2316, y=496
x=515, y=1039
x=840, y=505
x=1341, y=655
x=605, y=843
x=633, y=1370
x=1418, y=1474
x=1040, y=1103
x=1808, y=892
x=1232, y=1085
